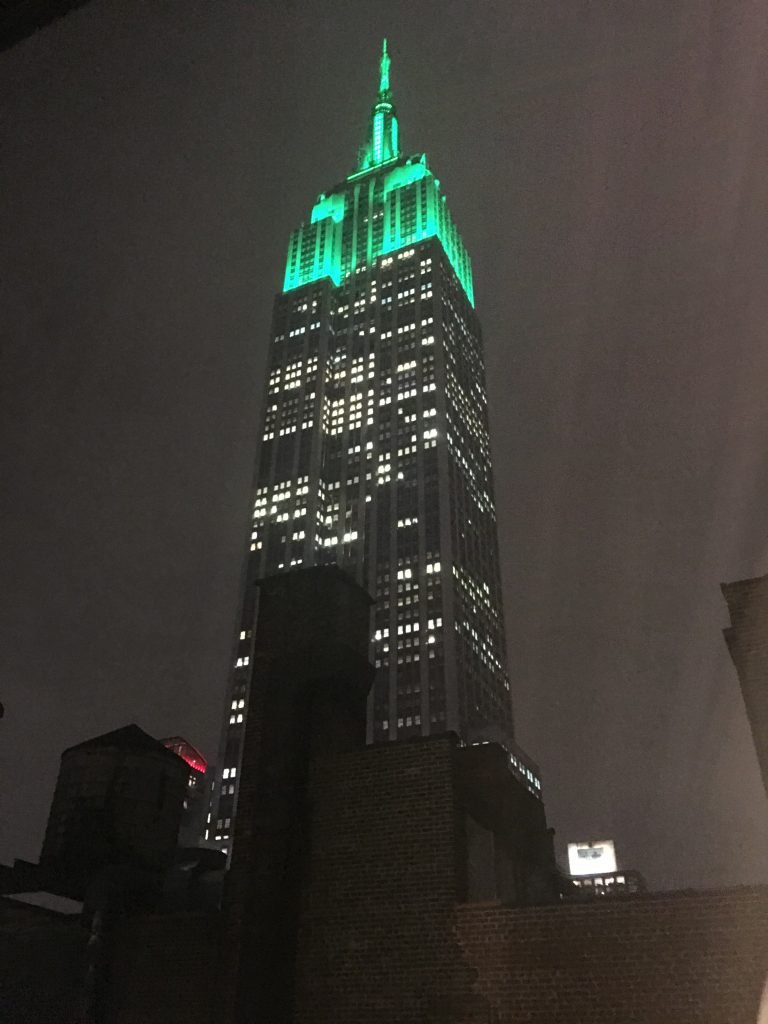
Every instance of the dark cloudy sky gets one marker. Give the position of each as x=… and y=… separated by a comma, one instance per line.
x=606, y=163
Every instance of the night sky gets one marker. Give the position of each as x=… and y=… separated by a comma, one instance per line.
x=606, y=164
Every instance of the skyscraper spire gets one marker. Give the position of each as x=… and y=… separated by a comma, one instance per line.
x=384, y=71
x=383, y=141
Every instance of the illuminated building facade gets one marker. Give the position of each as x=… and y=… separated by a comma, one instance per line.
x=375, y=452
x=595, y=873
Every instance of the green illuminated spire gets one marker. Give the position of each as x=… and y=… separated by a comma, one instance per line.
x=383, y=143
x=384, y=70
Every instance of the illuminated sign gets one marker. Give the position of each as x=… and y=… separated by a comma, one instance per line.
x=598, y=858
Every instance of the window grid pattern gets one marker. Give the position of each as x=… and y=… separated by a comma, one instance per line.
x=374, y=454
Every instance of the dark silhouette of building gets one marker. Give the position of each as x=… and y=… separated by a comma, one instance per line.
x=405, y=882
x=374, y=453
x=747, y=640
x=118, y=800
x=309, y=687
x=110, y=848
x=21, y=18
x=42, y=957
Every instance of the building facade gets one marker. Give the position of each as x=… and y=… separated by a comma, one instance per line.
x=410, y=882
x=198, y=794
x=613, y=883
x=374, y=454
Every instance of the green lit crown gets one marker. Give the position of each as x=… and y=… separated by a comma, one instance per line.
x=388, y=202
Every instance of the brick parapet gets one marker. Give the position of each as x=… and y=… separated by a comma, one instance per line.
x=687, y=957
x=376, y=942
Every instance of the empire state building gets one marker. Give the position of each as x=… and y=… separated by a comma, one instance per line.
x=374, y=453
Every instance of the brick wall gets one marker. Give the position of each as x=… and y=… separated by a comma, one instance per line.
x=376, y=941
x=385, y=935
x=309, y=685
x=678, y=958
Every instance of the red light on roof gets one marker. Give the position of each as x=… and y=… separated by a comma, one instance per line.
x=187, y=753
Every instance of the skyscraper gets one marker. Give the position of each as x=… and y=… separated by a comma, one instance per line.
x=375, y=453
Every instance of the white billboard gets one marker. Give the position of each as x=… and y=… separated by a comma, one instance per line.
x=598, y=858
